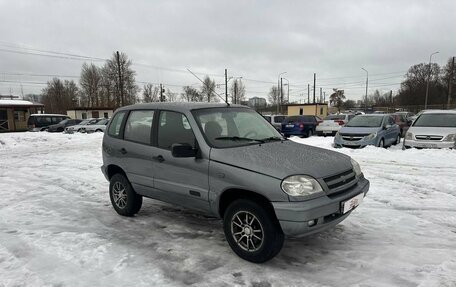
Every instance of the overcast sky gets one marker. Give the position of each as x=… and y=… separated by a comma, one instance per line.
x=255, y=40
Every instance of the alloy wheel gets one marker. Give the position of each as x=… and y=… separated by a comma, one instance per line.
x=247, y=231
x=119, y=195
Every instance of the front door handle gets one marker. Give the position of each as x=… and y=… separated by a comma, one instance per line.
x=159, y=158
x=123, y=151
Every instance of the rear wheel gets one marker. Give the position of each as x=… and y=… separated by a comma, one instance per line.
x=124, y=199
x=252, y=231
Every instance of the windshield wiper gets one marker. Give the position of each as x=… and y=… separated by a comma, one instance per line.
x=235, y=138
x=273, y=139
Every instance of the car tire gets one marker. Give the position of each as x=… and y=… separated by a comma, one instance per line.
x=252, y=231
x=124, y=199
x=381, y=143
x=309, y=133
x=60, y=130
x=398, y=139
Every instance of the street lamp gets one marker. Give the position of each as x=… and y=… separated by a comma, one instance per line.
x=367, y=84
x=279, y=90
x=288, y=88
x=429, y=77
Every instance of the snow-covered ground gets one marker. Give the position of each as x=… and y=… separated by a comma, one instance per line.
x=57, y=226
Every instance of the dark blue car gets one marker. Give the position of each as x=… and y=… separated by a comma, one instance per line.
x=299, y=126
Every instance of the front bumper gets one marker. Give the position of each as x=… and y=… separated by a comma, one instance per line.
x=326, y=212
x=340, y=142
x=428, y=144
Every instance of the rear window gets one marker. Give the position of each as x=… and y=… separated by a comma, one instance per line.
x=335, y=117
x=114, y=127
x=436, y=120
x=279, y=119
x=294, y=119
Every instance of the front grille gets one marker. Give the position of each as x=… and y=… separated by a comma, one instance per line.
x=340, y=182
x=353, y=137
x=429, y=137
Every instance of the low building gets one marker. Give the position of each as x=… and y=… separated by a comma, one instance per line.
x=318, y=109
x=257, y=102
x=86, y=113
x=15, y=113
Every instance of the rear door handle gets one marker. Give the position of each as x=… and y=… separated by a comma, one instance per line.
x=159, y=158
x=123, y=151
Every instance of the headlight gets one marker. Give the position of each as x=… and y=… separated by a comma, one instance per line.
x=450, y=138
x=356, y=167
x=408, y=136
x=300, y=185
x=371, y=136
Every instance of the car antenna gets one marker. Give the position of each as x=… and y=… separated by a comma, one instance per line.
x=206, y=87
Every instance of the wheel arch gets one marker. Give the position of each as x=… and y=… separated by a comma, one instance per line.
x=113, y=169
x=232, y=194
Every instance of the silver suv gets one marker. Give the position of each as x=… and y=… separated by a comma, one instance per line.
x=228, y=162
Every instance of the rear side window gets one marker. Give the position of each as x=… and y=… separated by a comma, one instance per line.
x=139, y=126
x=174, y=128
x=114, y=128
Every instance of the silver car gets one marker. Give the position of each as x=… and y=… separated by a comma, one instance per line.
x=375, y=129
x=229, y=162
x=432, y=129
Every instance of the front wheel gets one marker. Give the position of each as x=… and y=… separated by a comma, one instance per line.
x=398, y=139
x=124, y=199
x=381, y=143
x=252, y=231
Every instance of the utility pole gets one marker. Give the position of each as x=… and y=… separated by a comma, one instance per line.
x=308, y=93
x=321, y=94
x=281, y=94
x=226, y=86
x=235, y=91
x=161, y=93
x=367, y=85
x=315, y=80
x=428, y=79
x=120, y=79
x=450, y=84
x=324, y=97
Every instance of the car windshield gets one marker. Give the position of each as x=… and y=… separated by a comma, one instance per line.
x=436, y=120
x=232, y=127
x=103, y=122
x=335, y=117
x=365, y=122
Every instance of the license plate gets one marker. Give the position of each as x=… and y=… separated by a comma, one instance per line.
x=327, y=132
x=427, y=145
x=352, y=203
x=350, y=143
x=289, y=126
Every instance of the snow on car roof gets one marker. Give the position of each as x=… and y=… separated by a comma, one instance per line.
x=18, y=103
x=439, y=112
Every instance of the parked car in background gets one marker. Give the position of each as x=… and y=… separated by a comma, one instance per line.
x=39, y=122
x=374, y=129
x=228, y=162
x=332, y=124
x=406, y=115
x=379, y=112
x=300, y=125
x=402, y=122
x=100, y=126
x=275, y=120
x=83, y=124
x=60, y=127
x=432, y=129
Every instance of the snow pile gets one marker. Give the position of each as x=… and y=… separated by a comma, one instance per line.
x=57, y=226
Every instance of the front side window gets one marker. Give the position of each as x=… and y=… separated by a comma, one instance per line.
x=114, y=128
x=232, y=127
x=174, y=128
x=139, y=126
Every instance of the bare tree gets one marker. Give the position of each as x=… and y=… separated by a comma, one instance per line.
x=170, y=96
x=208, y=90
x=150, y=93
x=273, y=95
x=58, y=96
x=237, y=91
x=191, y=94
x=337, y=98
x=91, y=85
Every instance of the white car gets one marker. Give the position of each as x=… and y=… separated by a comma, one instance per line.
x=432, y=129
x=332, y=124
x=83, y=124
x=98, y=127
x=275, y=120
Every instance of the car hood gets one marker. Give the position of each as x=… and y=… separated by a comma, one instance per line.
x=358, y=130
x=282, y=159
x=432, y=131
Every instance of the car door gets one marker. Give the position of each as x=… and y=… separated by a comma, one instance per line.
x=390, y=132
x=183, y=181
x=130, y=147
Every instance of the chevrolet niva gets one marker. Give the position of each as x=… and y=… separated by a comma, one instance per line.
x=229, y=162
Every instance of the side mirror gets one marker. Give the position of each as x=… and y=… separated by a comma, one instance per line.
x=183, y=150
x=387, y=127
